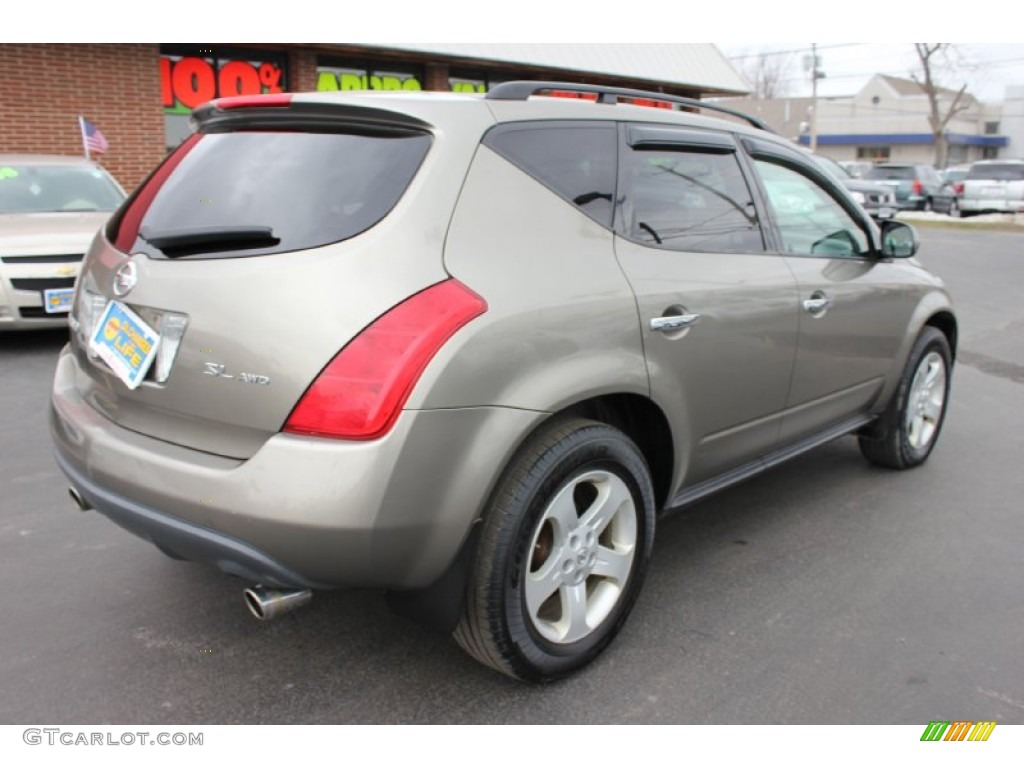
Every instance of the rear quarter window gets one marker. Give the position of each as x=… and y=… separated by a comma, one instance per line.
x=576, y=161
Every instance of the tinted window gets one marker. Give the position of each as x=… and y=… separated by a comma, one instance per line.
x=691, y=201
x=576, y=162
x=810, y=221
x=997, y=171
x=56, y=189
x=904, y=173
x=306, y=190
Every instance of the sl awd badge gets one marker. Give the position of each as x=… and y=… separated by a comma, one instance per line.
x=219, y=370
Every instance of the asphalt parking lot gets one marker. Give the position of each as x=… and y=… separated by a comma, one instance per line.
x=825, y=591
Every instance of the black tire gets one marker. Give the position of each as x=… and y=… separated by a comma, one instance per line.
x=891, y=441
x=581, y=463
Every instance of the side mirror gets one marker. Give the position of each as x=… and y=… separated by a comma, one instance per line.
x=899, y=240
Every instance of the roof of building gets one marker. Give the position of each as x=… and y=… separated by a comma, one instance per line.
x=905, y=87
x=699, y=65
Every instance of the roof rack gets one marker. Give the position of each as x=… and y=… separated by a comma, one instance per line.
x=521, y=90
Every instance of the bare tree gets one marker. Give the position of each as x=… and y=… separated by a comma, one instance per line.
x=940, y=112
x=768, y=75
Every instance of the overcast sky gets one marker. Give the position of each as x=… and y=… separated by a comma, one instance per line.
x=986, y=67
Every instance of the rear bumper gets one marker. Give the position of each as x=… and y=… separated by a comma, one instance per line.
x=977, y=205
x=182, y=539
x=301, y=512
x=911, y=203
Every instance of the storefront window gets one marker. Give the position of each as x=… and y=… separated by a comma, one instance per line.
x=874, y=154
x=193, y=75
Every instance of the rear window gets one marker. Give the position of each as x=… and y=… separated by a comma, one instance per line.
x=892, y=174
x=997, y=172
x=56, y=189
x=249, y=193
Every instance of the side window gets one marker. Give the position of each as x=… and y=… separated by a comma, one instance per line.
x=689, y=200
x=810, y=221
x=575, y=161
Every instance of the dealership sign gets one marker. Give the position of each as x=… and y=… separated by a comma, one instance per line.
x=348, y=79
x=188, y=81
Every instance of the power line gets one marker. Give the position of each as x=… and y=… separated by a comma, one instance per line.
x=982, y=68
x=806, y=49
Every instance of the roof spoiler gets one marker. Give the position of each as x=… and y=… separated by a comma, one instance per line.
x=280, y=111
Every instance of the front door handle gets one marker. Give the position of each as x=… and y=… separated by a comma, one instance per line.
x=673, y=322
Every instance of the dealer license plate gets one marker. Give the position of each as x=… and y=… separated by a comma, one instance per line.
x=57, y=300
x=125, y=343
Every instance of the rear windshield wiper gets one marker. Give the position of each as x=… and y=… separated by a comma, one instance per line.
x=199, y=239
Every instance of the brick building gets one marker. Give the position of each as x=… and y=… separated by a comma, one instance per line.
x=140, y=95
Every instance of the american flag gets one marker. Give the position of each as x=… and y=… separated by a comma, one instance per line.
x=93, y=138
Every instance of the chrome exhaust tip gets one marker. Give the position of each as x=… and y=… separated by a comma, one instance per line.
x=266, y=603
x=79, y=499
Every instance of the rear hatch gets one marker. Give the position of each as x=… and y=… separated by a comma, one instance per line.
x=900, y=179
x=995, y=182
x=254, y=253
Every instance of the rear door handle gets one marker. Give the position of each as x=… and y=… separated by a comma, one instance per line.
x=673, y=322
x=819, y=302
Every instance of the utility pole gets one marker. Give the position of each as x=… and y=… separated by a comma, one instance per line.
x=812, y=63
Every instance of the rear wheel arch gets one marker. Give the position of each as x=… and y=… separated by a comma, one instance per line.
x=641, y=420
x=645, y=424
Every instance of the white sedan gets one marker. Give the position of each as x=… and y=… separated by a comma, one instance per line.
x=50, y=209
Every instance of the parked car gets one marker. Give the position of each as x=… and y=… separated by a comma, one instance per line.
x=954, y=174
x=993, y=186
x=953, y=186
x=917, y=187
x=465, y=348
x=856, y=168
x=50, y=209
x=878, y=200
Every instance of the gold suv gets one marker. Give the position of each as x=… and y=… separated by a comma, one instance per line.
x=466, y=348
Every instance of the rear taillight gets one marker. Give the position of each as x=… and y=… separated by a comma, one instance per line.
x=360, y=393
x=918, y=187
x=958, y=188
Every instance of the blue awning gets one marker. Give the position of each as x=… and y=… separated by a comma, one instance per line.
x=906, y=138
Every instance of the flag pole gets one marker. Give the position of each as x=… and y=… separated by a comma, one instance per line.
x=85, y=142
